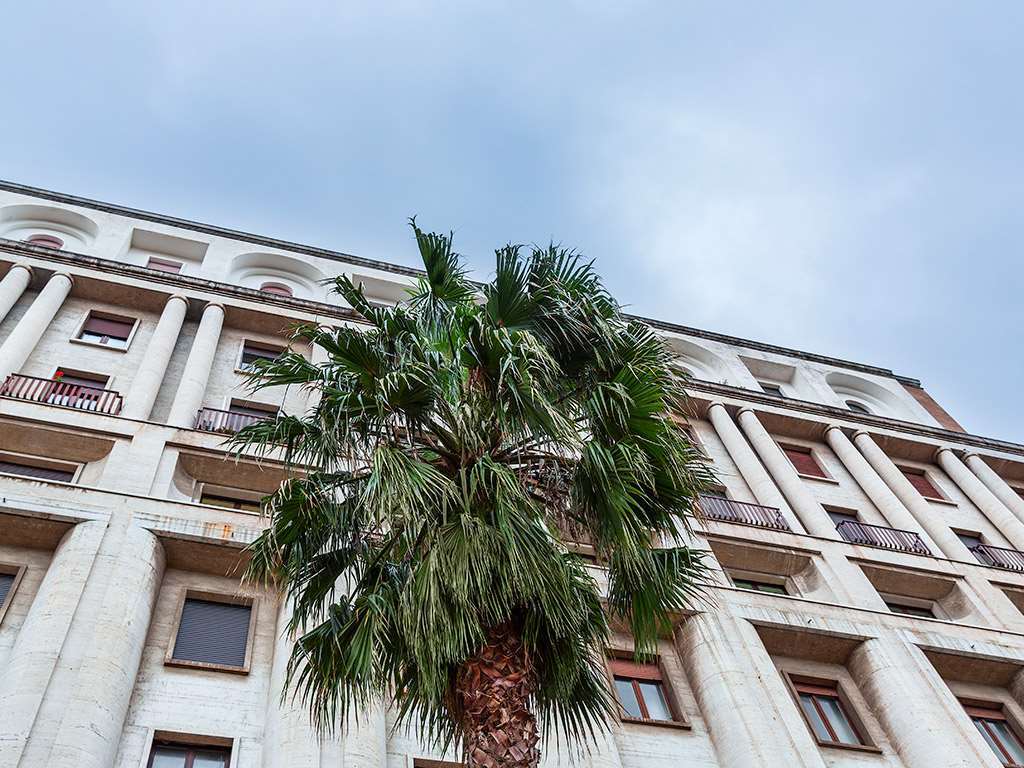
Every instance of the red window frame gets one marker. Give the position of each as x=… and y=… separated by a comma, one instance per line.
x=922, y=483
x=635, y=673
x=823, y=690
x=980, y=715
x=45, y=241
x=804, y=461
x=277, y=289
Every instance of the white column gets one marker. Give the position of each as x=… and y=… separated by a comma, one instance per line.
x=999, y=487
x=13, y=285
x=153, y=367
x=940, y=533
x=131, y=567
x=750, y=468
x=753, y=720
x=881, y=496
x=982, y=497
x=37, y=649
x=33, y=324
x=807, y=508
x=900, y=685
x=189, y=397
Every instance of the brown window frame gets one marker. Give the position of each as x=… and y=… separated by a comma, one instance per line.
x=18, y=572
x=213, y=597
x=191, y=745
x=788, y=448
x=100, y=314
x=622, y=665
x=833, y=689
x=277, y=349
x=907, y=471
x=993, y=710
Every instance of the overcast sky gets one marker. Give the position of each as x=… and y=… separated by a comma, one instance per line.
x=847, y=182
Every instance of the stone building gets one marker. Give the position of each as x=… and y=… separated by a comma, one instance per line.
x=869, y=610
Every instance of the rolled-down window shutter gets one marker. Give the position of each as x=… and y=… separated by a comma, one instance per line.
x=921, y=483
x=804, y=462
x=43, y=473
x=115, y=329
x=213, y=633
x=6, y=582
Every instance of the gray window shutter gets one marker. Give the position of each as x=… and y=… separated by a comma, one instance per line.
x=213, y=633
x=26, y=470
x=6, y=582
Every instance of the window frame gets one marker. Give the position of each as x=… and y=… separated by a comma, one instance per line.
x=18, y=572
x=856, y=406
x=42, y=462
x=794, y=681
x=190, y=742
x=111, y=316
x=45, y=240
x=221, y=491
x=655, y=674
x=993, y=710
x=931, y=606
x=815, y=455
x=760, y=577
x=772, y=386
x=277, y=289
x=166, y=263
x=239, y=363
x=930, y=478
x=212, y=597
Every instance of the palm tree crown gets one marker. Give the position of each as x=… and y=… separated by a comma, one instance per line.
x=459, y=441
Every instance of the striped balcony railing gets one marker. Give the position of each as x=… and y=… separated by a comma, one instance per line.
x=880, y=536
x=999, y=557
x=225, y=422
x=730, y=511
x=54, y=392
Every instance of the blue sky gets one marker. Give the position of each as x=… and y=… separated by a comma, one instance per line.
x=841, y=178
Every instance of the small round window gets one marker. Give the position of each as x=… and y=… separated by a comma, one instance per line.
x=46, y=241
x=278, y=289
x=857, y=407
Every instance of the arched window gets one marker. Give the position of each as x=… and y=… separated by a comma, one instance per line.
x=856, y=407
x=278, y=289
x=46, y=241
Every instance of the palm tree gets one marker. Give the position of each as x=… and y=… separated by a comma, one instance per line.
x=459, y=442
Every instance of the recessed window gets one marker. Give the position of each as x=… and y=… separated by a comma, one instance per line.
x=970, y=539
x=164, y=265
x=803, y=461
x=82, y=390
x=755, y=585
x=254, y=410
x=230, y=498
x=45, y=241
x=41, y=469
x=253, y=351
x=108, y=330
x=172, y=755
x=10, y=575
x=826, y=714
x=213, y=633
x=904, y=608
x=922, y=484
x=991, y=722
x=641, y=691
x=278, y=289
x=770, y=388
x=858, y=407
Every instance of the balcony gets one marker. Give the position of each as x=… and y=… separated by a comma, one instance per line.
x=999, y=557
x=729, y=511
x=226, y=422
x=55, y=392
x=869, y=535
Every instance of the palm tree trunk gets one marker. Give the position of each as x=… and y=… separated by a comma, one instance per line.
x=492, y=698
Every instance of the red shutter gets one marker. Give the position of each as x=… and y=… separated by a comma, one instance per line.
x=115, y=329
x=631, y=669
x=804, y=461
x=161, y=265
x=921, y=483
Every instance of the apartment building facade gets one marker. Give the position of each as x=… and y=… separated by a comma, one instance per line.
x=869, y=609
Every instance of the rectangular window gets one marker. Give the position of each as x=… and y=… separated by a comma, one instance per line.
x=771, y=389
x=825, y=713
x=172, y=755
x=111, y=331
x=803, y=460
x=641, y=691
x=81, y=378
x=253, y=351
x=6, y=584
x=231, y=498
x=42, y=470
x=213, y=632
x=256, y=410
x=840, y=516
x=991, y=722
x=921, y=483
x=970, y=539
x=754, y=585
x=164, y=265
x=907, y=609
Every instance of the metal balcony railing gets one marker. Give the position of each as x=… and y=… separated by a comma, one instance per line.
x=880, y=536
x=225, y=422
x=727, y=510
x=999, y=557
x=55, y=392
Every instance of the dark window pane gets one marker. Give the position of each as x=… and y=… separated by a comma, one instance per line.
x=6, y=582
x=43, y=473
x=213, y=633
x=169, y=757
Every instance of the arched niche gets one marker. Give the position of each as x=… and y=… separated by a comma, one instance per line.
x=23, y=222
x=859, y=394
x=254, y=270
x=699, y=362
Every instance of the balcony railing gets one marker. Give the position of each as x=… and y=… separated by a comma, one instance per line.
x=727, y=510
x=225, y=422
x=880, y=536
x=56, y=392
x=999, y=557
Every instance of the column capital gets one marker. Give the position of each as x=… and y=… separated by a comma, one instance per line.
x=211, y=304
x=746, y=409
x=70, y=279
x=181, y=296
x=717, y=403
x=941, y=450
x=971, y=454
x=830, y=427
x=860, y=432
x=23, y=265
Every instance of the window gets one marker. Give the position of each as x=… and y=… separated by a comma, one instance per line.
x=231, y=498
x=970, y=539
x=825, y=713
x=908, y=609
x=170, y=755
x=25, y=466
x=921, y=483
x=755, y=585
x=213, y=631
x=278, y=289
x=253, y=351
x=804, y=462
x=73, y=378
x=108, y=330
x=10, y=576
x=858, y=407
x=46, y=241
x=641, y=691
x=770, y=388
x=256, y=410
x=991, y=722
x=164, y=265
